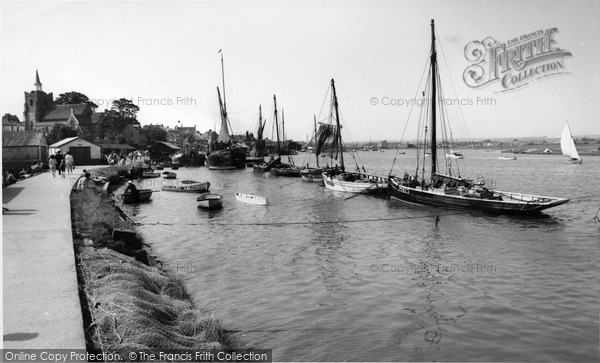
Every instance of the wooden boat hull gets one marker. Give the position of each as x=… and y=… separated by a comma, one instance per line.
x=187, y=188
x=506, y=202
x=251, y=199
x=312, y=174
x=168, y=175
x=210, y=201
x=311, y=178
x=145, y=195
x=355, y=183
x=150, y=175
x=226, y=160
x=290, y=171
x=266, y=167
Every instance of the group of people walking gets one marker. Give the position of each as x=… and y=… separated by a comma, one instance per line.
x=63, y=164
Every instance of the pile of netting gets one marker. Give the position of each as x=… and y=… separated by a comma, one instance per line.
x=137, y=307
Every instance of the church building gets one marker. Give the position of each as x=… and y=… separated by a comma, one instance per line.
x=41, y=114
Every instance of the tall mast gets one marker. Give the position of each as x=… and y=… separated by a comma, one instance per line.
x=339, y=128
x=276, y=124
x=223, y=77
x=316, y=139
x=433, y=101
x=282, y=126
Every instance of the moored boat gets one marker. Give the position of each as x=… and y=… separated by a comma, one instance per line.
x=187, y=188
x=169, y=175
x=450, y=190
x=312, y=174
x=210, y=201
x=455, y=155
x=225, y=153
x=251, y=199
x=144, y=195
x=150, y=174
x=502, y=157
x=339, y=179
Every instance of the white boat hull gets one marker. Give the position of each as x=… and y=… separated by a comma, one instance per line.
x=367, y=184
x=251, y=199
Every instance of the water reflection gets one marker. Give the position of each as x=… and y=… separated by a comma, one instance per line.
x=434, y=272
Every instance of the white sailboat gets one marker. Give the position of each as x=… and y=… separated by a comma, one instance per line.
x=502, y=157
x=567, y=146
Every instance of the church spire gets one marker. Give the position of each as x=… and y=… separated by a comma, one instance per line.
x=37, y=84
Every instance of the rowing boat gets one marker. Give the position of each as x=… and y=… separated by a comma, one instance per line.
x=251, y=199
x=210, y=201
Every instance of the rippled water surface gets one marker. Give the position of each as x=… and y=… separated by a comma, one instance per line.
x=318, y=276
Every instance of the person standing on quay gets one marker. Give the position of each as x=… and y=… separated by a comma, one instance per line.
x=70, y=163
x=59, y=158
x=62, y=167
x=52, y=165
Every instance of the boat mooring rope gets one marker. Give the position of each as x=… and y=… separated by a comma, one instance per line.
x=294, y=223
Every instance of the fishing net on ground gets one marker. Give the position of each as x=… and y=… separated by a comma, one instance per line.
x=134, y=306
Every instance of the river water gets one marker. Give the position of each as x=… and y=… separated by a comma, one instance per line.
x=318, y=276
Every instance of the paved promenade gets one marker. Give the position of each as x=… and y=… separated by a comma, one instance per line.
x=41, y=302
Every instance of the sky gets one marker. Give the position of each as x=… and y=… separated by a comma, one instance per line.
x=164, y=56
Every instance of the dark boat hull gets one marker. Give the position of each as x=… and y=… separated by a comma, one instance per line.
x=210, y=201
x=506, y=203
x=145, y=195
x=289, y=171
x=226, y=159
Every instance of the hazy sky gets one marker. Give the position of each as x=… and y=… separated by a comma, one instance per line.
x=167, y=52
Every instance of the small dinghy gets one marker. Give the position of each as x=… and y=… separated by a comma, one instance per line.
x=145, y=194
x=210, y=201
x=169, y=175
x=251, y=199
x=188, y=187
x=147, y=175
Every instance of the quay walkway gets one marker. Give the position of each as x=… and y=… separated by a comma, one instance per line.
x=41, y=307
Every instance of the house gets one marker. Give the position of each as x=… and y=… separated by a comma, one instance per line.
x=133, y=136
x=23, y=148
x=84, y=152
x=198, y=142
x=12, y=123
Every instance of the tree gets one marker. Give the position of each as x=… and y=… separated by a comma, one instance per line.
x=60, y=132
x=74, y=98
x=126, y=109
x=111, y=124
x=154, y=133
x=122, y=113
x=10, y=117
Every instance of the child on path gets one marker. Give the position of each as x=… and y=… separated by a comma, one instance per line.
x=62, y=167
x=52, y=165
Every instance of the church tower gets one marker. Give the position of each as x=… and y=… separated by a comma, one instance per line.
x=36, y=102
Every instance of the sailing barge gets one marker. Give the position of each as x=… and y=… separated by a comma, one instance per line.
x=452, y=191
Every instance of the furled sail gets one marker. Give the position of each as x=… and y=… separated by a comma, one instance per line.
x=327, y=136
